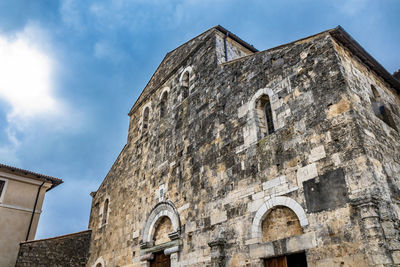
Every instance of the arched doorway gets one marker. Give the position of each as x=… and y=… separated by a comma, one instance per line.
x=160, y=243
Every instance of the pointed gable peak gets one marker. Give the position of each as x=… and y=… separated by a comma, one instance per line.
x=174, y=59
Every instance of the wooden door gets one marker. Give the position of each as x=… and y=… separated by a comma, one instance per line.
x=276, y=262
x=160, y=260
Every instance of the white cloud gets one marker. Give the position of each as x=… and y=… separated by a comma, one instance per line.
x=27, y=88
x=25, y=82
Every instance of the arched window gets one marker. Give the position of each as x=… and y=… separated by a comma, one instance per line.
x=185, y=85
x=264, y=113
x=99, y=265
x=380, y=110
x=163, y=104
x=146, y=115
x=105, y=212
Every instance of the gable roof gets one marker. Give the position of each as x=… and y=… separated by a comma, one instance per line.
x=172, y=61
x=32, y=175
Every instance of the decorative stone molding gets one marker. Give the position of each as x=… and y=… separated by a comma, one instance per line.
x=169, y=251
x=273, y=202
x=147, y=257
x=144, y=245
x=174, y=235
x=160, y=210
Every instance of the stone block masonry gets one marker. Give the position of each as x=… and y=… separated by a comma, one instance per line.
x=235, y=156
x=68, y=250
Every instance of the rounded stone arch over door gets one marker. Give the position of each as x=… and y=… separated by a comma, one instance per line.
x=281, y=201
x=162, y=209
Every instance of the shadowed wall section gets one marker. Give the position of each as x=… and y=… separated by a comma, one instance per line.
x=72, y=249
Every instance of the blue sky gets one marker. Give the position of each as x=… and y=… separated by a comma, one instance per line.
x=70, y=70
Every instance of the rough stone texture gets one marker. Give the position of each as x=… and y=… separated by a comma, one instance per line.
x=219, y=173
x=162, y=230
x=68, y=250
x=328, y=191
x=396, y=74
x=278, y=219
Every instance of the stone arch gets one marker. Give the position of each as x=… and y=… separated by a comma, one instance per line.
x=263, y=91
x=162, y=209
x=253, y=132
x=184, y=82
x=188, y=70
x=267, y=93
x=148, y=105
x=165, y=89
x=145, y=116
x=264, y=115
x=104, y=212
x=99, y=263
x=104, y=218
x=263, y=211
x=164, y=101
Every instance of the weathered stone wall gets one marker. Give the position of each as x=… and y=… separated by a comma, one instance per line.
x=68, y=250
x=233, y=49
x=381, y=144
x=208, y=157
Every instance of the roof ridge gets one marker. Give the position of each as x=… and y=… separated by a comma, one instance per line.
x=134, y=107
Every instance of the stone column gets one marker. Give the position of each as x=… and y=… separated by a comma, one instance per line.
x=372, y=232
x=174, y=255
x=217, y=252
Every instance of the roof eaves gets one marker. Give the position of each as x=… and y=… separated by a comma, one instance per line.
x=53, y=180
x=236, y=38
x=345, y=39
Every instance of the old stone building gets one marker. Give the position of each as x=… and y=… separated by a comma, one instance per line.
x=235, y=157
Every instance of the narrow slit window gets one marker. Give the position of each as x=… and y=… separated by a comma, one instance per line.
x=146, y=119
x=185, y=85
x=163, y=104
x=105, y=212
x=264, y=113
x=268, y=117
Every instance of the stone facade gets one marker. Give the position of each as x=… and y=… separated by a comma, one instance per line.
x=208, y=180
x=68, y=250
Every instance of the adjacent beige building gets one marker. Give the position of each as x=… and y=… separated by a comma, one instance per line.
x=21, y=198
